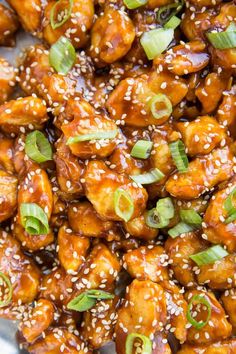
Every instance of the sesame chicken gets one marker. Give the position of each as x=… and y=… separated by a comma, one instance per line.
x=117, y=176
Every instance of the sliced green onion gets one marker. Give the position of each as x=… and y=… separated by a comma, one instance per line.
x=168, y=11
x=230, y=218
x=99, y=294
x=134, y=4
x=209, y=256
x=150, y=177
x=34, y=219
x=136, y=337
x=160, y=99
x=61, y=17
x=173, y=22
x=142, y=149
x=92, y=136
x=225, y=39
x=179, y=229
x=191, y=217
x=156, y=41
x=62, y=55
x=156, y=220
x=8, y=292
x=87, y=300
x=127, y=212
x=81, y=303
x=166, y=208
x=179, y=156
x=195, y=300
x=37, y=147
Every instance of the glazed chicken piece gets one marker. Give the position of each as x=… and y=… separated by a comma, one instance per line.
x=147, y=263
x=34, y=188
x=226, y=113
x=203, y=3
x=215, y=228
x=8, y=194
x=98, y=272
x=57, y=286
x=138, y=228
x=22, y=272
x=39, y=319
x=201, y=135
x=69, y=171
x=152, y=4
x=130, y=100
x=203, y=174
x=8, y=26
x=23, y=115
x=177, y=309
x=144, y=311
x=87, y=121
x=29, y=14
x=84, y=220
x=219, y=275
x=111, y=37
x=210, y=91
x=186, y=58
x=72, y=249
x=101, y=183
x=217, y=328
x=223, y=347
x=178, y=250
x=228, y=299
x=57, y=339
x=7, y=152
x=75, y=28
x=7, y=80
x=98, y=323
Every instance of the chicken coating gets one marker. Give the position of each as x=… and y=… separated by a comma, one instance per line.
x=23, y=115
x=195, y=24
x=103, y=316
x=202, y=3
x=143, y=312
x=178, y=250
x=22, y=272
x=7, y=79
x=147, y=263
x=228, y=299
x=39, y=320
x=130, y=101
x=215, y=228
x=75, y=28
x=217, y=328
x=8, y=26
x=223, y=347
x=177, y=309
x=87, y=121
x=219, y=275
x=101, y=184
x=34, y=188
x=55, y=340
x=99, y=271
x=226, y=113
x=8, y=195
x=186, y=58
x=56, y=286
x=201, y=135
x=210, y=91
x=6, y=156
x=203, y=174
x=111, y=37
x=138, y=228
x=69, y=171
x=72, y=249
x=29, y=14
x=84, y=220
